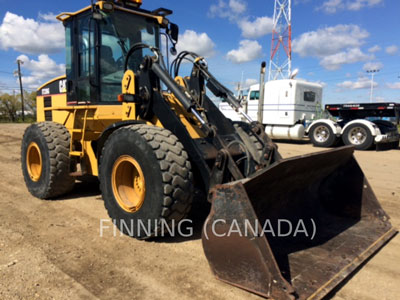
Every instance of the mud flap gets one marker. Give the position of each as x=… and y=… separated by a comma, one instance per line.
x=296, y=229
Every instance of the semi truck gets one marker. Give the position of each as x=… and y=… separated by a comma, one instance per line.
x=292, y=110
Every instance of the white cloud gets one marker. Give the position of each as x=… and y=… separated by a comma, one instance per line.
x=332, y=6
x=230, y=10
x=199, y=43
x=361, y=83
x=248, y=51
x=392, y=50
x=374, y=49
x=394, y=85
x=49, y=17
x=31, y=36
x=333, y=46
x=359, y=4
x=329, y=40
x=41, y=70
x=237, y=6
x=335, y=61
x=258, y=28
x=235, y=11
x=218, y=10
x=373, y=66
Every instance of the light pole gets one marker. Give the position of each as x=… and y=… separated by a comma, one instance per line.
x=372, y=72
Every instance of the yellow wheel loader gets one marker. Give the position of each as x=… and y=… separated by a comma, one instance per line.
x=153, y=137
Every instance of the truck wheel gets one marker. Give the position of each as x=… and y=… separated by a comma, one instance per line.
x=359, y=136
x=321, y=135
x=45, y=160
x=145, y=180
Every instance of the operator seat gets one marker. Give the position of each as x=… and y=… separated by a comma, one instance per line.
x=107, y=61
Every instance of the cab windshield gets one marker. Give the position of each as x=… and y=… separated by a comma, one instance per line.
x=119, y=31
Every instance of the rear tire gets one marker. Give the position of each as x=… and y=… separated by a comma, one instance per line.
x=45, y=160
x=321, y=135
x=359, y=136
x=160, y=165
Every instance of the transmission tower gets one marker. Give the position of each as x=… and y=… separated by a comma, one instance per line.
x=280, y=65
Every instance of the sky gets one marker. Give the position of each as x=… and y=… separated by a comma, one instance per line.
x=334, y=42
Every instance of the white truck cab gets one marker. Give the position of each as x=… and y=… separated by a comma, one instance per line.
x=289, y=106
x=292, y=108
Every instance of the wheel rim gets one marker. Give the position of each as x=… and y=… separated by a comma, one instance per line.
x=128, y=183
x=321, y=134
x=357, y=135
x=34, y=161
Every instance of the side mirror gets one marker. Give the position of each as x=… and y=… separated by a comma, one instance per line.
x=173, y=32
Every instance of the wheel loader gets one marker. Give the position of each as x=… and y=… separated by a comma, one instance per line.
x=153, y=137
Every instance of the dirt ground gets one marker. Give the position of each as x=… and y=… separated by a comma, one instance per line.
x=53, y=249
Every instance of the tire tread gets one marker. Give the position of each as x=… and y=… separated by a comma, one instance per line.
x=175, y=170
x=57, y=139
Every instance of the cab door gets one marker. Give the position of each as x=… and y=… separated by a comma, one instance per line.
x=81, y=60
x=252, y=105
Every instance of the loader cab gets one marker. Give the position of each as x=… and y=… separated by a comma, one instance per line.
x=96, y=46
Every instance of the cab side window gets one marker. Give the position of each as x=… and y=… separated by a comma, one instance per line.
x=254, y=95
x=309, y=96
x=86, y=59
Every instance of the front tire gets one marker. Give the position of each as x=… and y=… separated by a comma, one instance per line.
x=321, y=135
x=359, y=136
x=145, y=179
x=45, y=160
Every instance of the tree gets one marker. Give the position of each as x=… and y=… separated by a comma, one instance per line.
x=30, y=102
x=9, y=106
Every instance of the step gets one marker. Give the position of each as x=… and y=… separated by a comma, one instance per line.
x=76, y=153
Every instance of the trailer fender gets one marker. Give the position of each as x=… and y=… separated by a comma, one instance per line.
x=375, y=131
x=332, y=124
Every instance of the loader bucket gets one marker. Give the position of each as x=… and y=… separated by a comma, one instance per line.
x=296, y=229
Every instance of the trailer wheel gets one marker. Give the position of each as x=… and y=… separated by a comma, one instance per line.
x=45, y=160
x=145, y=180
x=359, y=136
x=321, y=135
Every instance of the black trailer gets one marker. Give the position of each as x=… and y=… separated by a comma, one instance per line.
x=366, y=124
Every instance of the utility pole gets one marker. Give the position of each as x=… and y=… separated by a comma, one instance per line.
x=372, y=72
x=20, y=62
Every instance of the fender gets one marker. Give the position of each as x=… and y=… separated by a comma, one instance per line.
x=370, y=125
x=332, y=124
